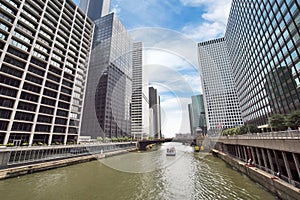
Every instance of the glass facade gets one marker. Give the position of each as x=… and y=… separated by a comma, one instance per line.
x=197, y=115
x=95, y=8
x=263, y=41
x=44, y=53
x=108, y=97
x=222, y=108
x=154, y=105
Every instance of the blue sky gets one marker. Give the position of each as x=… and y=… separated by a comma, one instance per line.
x=170, y=31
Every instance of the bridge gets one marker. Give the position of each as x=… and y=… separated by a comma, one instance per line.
x=142, y=144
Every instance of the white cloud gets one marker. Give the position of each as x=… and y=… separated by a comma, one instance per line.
x=169, y=41
x=175, y=117
x=172, y=68
x=205, y=31
x=213, y=21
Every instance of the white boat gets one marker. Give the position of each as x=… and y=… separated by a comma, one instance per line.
x=171, y=151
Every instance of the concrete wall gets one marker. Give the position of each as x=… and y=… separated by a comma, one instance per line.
x=288, y=145
x=278, y=187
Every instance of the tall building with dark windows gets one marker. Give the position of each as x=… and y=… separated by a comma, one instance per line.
x=263, y=40
x=95, y=8
x=154, y=105
x=222, y=108
x=109, y=85
x=44, y=51
x=140, y=100
x=190, y=110
x=197, y=115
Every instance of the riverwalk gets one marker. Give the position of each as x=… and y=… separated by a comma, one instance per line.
x=19, y=161
x=274, y=184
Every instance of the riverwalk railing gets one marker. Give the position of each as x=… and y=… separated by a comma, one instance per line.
x=293, y=135
x=24, y=155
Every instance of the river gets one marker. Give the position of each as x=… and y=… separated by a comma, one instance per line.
x=140, y=176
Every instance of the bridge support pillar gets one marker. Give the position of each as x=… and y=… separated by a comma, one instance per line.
x=287, y=167
x=239, y=152
x=258, y=156
x=253, y=155
x=270, y=160
x=296, y=160
x=264, y=158
x=236, y=151
x=245, y=153
x=276, y=161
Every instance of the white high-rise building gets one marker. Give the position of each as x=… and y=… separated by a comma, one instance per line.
x=44, y=53
x=222, y=108
x=140, y=100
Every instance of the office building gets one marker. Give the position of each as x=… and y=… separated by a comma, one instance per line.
x=190, y=110
x=44, y=51
x=109, y=85
x=263, y=41
x=197, y=115
x=140, y=100
x=95, y=8
x=221, y=103
x=154, y=103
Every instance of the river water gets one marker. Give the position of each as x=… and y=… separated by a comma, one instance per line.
x=140, y=176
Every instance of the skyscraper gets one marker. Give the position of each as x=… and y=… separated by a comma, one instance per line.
x=44, y=53
x=190, y=110
x=154, y=103
x=197, y=115
x=222, y=106
x=263, y=41
x=95, y=8
x=108, y=97
x=140, y=100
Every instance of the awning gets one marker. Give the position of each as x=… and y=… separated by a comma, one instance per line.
x=264, y=126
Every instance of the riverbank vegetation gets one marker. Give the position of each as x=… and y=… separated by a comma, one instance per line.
x=276, y=122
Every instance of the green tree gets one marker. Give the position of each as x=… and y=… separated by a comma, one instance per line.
x=100, y=139
x=293, y=119
x=253, y=128
x=278, y=122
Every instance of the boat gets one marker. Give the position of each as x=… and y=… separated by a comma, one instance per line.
x=171, y=151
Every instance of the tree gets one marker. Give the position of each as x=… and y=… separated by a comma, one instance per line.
x=253, y=129
x=293, y=119
x=100, y=139
x=277, y=122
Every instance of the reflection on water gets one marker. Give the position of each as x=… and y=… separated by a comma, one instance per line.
x=147, y=175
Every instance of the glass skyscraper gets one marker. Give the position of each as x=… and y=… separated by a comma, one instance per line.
x=154, y=104
x=221, y=103
x=263, y=40
x=95, y=8
x=44, y=53
x=108, y=97
x=197, y=115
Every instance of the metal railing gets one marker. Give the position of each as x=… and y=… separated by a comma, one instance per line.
x=293, y=135
x=38, y=154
